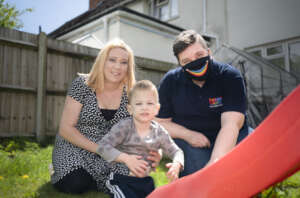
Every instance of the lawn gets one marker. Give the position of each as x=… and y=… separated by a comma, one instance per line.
x=24, y=173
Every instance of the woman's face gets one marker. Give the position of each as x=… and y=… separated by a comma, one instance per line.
x=116, y=65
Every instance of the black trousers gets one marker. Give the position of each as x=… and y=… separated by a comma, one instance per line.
x=122, y=186
x=76, y=182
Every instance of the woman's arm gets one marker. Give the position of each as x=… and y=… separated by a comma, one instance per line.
x=194, y=138
x=231, y=123
x=68, y=122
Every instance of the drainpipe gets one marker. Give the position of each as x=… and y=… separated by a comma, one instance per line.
x=203, y=16
x=204, y=20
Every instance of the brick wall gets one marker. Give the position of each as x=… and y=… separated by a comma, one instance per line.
x=93, y=3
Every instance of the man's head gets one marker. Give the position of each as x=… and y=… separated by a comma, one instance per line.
x=185, y=40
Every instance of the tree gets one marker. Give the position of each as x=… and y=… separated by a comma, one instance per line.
x=9, y=15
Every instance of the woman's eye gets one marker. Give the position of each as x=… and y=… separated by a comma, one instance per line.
x=124, y=63
x=138, y=103
x=112, y=60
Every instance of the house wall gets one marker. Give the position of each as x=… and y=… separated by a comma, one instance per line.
x=242, y=23
x=262, y=21
x=190, y=15
x=138, y=6
x=146, y=43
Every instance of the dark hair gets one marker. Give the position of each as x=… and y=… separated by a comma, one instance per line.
x=142, y=85
x=185, y=39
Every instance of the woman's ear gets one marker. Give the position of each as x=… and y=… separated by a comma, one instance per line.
x=129, y=109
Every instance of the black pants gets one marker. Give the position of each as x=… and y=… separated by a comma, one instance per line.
x=77, y=181
x=122, y=186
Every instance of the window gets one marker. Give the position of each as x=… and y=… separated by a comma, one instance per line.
x=294, y=57
x=256, y=52
x=274, y=50
x=164, y=9
x=285, y=55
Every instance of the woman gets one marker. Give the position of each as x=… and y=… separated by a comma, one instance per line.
x=94, y=103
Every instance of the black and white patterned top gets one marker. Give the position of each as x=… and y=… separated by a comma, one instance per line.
x=67, y=157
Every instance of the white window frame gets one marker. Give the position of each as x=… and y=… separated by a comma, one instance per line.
x=285, y=51
x=158, y=4
x=155, y=6
x=284, y=54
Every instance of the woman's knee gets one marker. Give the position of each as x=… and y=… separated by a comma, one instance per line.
x=76, y=182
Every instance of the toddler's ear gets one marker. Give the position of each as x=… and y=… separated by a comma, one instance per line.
x=157, y=108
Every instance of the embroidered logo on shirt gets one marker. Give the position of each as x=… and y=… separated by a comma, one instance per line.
x=215, y=102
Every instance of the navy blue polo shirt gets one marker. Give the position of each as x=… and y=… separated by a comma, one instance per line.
x=199, y=108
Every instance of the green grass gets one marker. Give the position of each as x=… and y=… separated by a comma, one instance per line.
x=24, y=173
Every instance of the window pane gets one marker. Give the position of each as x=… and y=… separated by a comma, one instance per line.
x=278, y=61
x=294, y=49
x=274, y=50
x=257, y=52
x=174, y=8
x=164, y=12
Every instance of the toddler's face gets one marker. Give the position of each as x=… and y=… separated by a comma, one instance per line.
x=144, y=105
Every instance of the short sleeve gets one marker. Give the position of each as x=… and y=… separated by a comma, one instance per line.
x=165, y=97
x=234, y=95
x=77, y=89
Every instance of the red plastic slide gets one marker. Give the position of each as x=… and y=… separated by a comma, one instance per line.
x=268, y=155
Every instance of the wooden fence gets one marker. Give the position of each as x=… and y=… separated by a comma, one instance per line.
x=35, y=72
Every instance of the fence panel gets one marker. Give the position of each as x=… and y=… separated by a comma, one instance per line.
x=19, y=67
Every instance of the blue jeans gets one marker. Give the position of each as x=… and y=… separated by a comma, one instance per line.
x=196, y=158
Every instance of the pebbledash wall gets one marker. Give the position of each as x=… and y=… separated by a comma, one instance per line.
x=35, y=72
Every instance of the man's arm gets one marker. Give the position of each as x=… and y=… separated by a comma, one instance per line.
x=231, y=123
x=194, y=138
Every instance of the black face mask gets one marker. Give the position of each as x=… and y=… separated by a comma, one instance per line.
x=198, y=69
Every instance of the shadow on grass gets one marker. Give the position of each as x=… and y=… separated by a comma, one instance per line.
x=10, y=144
x=48, y=191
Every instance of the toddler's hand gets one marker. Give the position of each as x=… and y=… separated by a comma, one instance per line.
x=173, y=171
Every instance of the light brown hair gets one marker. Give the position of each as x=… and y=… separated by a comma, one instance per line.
x=143, y=85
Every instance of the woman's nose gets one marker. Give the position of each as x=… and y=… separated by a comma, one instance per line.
x=117, y=65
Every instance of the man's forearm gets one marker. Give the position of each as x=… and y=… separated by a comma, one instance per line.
x=175, y=130
x=225, y=141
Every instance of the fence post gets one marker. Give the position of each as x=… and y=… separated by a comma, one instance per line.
x=41, y=88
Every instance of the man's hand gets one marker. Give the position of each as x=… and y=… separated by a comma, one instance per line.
x=155, y=157
x=197, y=139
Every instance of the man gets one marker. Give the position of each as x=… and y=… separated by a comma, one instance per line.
x=203, y=103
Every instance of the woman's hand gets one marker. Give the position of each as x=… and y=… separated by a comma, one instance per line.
x=155, y=157
x=135, y=164
x=173, y=171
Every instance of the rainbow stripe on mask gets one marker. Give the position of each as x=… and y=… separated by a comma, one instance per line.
x=199, y=72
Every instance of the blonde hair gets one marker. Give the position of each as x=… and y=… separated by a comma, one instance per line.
x=143, y=85
x=95, y=78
